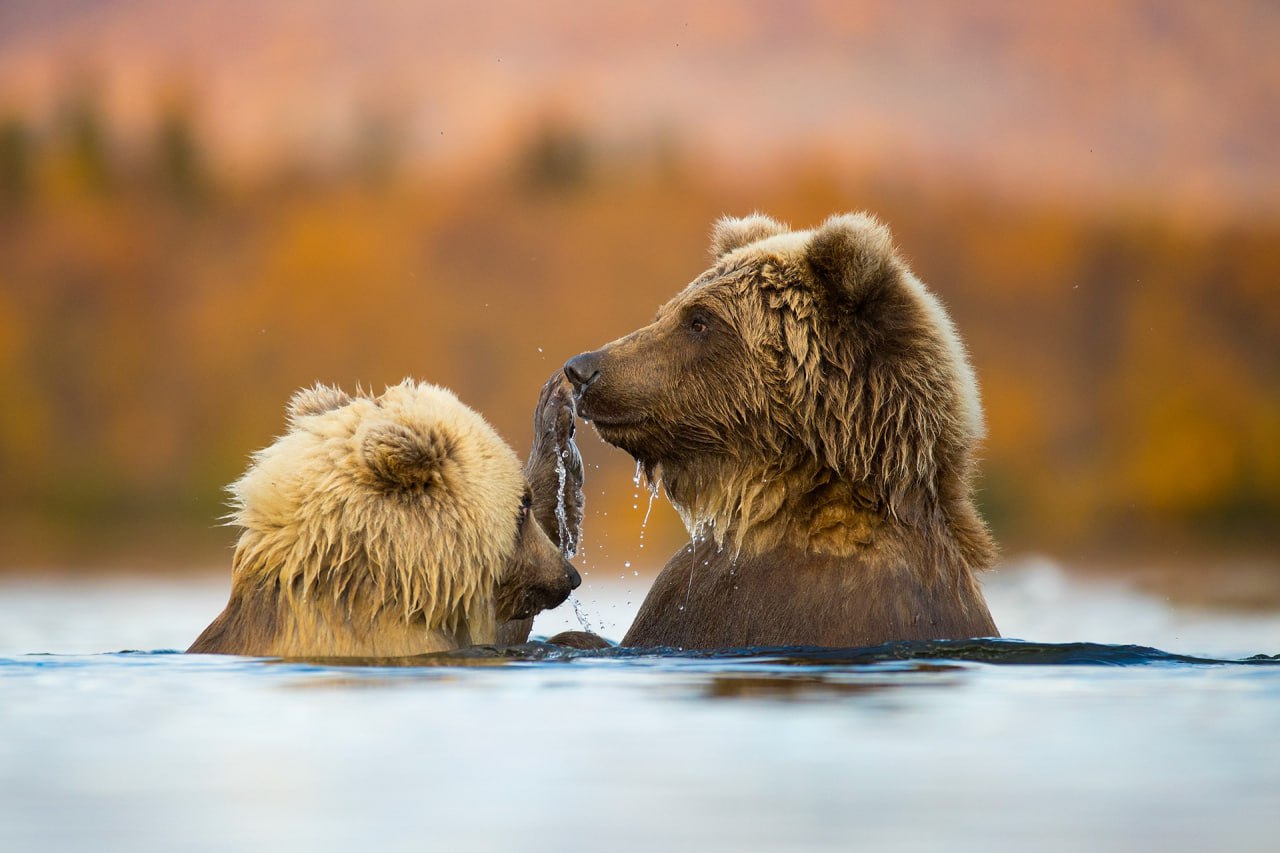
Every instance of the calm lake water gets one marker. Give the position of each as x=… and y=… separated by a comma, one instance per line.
x=1013, y=746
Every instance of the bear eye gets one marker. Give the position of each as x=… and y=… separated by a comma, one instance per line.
x=698, y=324
x=526, y=505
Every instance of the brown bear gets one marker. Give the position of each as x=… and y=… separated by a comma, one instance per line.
x=393, y=525
x=811, y=412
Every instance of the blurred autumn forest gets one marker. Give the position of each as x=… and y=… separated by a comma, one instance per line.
x=156, y=314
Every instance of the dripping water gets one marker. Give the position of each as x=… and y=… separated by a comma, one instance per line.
x=568, y=544
x=578, y=614
x=699, y=536
x=653, y=493
x=569, y=541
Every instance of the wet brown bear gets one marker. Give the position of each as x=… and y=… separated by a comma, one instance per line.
x=395, y=525
x=810, y=411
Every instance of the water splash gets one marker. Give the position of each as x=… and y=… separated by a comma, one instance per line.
x=578, y=614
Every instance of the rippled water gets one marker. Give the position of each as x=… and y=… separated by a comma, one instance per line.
x=1110, y=745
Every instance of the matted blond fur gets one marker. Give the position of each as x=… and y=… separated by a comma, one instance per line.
x=390, y=517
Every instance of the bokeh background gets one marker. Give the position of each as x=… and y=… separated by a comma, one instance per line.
x=206, y=205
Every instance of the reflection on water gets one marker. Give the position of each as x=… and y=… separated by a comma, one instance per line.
x=805, y=687
x=912, y=653
x=1164, y=734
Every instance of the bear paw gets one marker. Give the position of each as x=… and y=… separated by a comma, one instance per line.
x=554, y=468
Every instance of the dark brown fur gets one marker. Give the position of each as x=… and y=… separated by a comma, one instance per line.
x=247, y=624
x=809, y=409
x=705, y=599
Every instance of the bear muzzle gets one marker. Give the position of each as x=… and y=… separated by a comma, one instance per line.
x=582, y=370
x=554, y=595
x=596, y=400
x=544, y=596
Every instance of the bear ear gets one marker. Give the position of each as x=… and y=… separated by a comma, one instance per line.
x=400, y=456
x=852, y=254
x=731, y=233
x=316, y=400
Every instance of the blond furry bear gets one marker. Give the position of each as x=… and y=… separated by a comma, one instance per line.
x=384, y=526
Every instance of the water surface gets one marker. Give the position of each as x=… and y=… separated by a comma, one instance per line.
x=1164, y=734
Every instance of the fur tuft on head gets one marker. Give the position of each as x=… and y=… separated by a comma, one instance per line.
x=316, y=400
x=731, y=233
x=402, y=455
x=852, y=255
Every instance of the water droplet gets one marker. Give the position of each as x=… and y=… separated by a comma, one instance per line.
x=627, y=564
x=636, y=573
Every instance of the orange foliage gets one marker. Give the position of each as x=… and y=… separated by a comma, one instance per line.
x=149, y=337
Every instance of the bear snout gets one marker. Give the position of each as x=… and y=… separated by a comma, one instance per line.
x=582, y=370
x=575, y=579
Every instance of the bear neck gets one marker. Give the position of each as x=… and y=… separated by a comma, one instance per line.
x=754, y=509
x=805, y=506
x=346, y=588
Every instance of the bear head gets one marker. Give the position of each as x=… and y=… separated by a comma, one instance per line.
x=803, y=358
x=406, y=503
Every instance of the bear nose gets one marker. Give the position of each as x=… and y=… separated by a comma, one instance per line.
x=583, y=369
x=575, y=579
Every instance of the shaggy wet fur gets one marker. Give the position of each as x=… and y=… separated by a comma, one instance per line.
x=383, y=526
x=810, y=410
